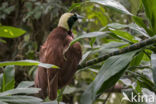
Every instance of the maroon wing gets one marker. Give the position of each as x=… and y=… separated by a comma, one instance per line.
x=69, y=67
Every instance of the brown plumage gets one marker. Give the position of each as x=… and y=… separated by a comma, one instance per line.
x=49, y=80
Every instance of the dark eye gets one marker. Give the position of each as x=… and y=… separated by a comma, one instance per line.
x=75, y=17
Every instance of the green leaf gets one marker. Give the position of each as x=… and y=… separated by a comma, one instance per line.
x=53, y=102
x=85, y=56
x=10, y=32
x=153, y=61
x=136, y=5
x=139, y=21
x=112, y=4
x=9, y=85
x=20, y=91
x=117, y=26
x=125, y=35
x=70, y=90
x=3, y=41
x=88, y=35
x=150, y=8
x=145, y=82
x=18, y=99
x=9, y=71
x=1, y=81
x=109, y=47
x=113, y=44
x=138, y=87
x=92, y=41
x=28, y=63
x=132, y=26
x=8, y=78
x=109, y=73
x=3, y=102
x=74, y=5
x=25, y=84
x=137, y=59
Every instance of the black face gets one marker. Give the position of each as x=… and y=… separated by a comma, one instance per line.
x=72, y=20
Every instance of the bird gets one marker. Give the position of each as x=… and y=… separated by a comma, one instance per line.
x=52, y=52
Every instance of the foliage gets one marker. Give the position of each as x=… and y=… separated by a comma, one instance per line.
x=109, y=73
x=7, y=78
x=10, y=32
x=120, y=32
x=10, y=95
x=28, y=63
x=113, y=25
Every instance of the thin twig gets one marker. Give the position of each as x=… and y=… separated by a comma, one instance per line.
x=108, y=95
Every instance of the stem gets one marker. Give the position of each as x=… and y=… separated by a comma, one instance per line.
x=109, y=94
x=132, y=47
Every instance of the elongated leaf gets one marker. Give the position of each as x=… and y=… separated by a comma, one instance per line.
x=112, y=4
x=125, y=35
x=18, y=99
x=85, y=56
x=69, y=90
x=137, y=59
x=88, y=35
x=150, y=8
x=25, y=84
x=9, y=85
x=153, y=59
x=139, y=21
x=135, y=5
x=117, y=26
x=1, y=81
x=109, y=47
x=113, y=44
x=109, y=73
x=74, y=5
x=10, y=32
x=138, y=87
x=3, y=41
x=53, y=102
x=145, y=82
x=132, y=26
x=28, y=63
x=20, y=91
x=8, y=78
x=3, y=102
x=107, y=3
x=92, y=41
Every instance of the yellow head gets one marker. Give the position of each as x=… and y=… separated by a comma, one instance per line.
x=67, y=20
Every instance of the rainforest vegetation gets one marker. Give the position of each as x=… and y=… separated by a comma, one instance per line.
x=118, y=43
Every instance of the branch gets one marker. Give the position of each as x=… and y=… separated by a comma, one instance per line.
x=132, y=47
x=109, y=94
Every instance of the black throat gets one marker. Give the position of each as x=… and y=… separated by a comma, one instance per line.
x=71, y=21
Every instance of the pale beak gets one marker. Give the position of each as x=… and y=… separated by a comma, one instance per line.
x=79, y=17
